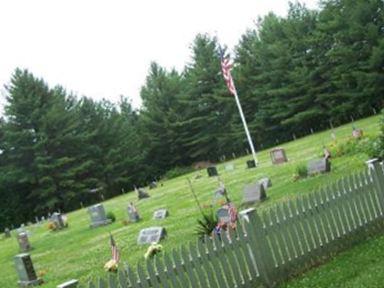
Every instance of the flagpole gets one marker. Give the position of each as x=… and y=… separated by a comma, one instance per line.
x=245, y=126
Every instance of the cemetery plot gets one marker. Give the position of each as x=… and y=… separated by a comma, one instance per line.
x=98, y=217
x=319, y=166
x=151, y=235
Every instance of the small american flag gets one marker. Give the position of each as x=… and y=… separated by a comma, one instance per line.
x=114, y=250
x=232, y=212
x=226, y=70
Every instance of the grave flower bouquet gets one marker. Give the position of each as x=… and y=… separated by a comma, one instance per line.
x=111, y=266
x=153, y=250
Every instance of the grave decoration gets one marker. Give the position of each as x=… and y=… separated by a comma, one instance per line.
x=251, y=164
x=254, y=193
x=212, y=171
x=151, y=235
x=266, y=182
x=22, y=239
x=26, y=271
x=133, y=214
x=69, y=284
x=326, y=153
x=226, y=218
x=160, y=214
x=319, y=166
x=7, y=233
x=141, y=193
x=278, y=156
x=98, y=217
x=153, y=250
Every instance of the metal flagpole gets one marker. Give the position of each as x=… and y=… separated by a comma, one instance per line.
x=245, y=127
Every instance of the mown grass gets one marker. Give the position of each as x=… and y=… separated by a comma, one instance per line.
x=80, y=252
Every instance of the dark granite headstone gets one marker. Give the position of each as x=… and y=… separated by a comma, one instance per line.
x=212, y=171
x=23, y=241
x=26, y=271
x=69, y=284
x=251, y=164
x=319, y=166
x=7, y=233
x=253, y=193
x=266, y=182
x=98, y=217
x=160, y=214
x=150, y=235
x=278, y=156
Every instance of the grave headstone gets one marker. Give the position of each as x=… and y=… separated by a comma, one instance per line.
x=278, y=156
x=98, y=217
x=212, y=171
x=229, y=167
x=319, y=166
x=26, y=271
x=253, y=193
x=266, y=182
x=153, y=185
x=57, y=219
x=246, y=213
x=160, y=214
x=251, y=164
x=69, y=284
x=133, y=214
x=142, y=194
x=357, y=133
x=42, y=218
x=24, y=245
x=151, y=235
x=7, y=233
x=37, y=220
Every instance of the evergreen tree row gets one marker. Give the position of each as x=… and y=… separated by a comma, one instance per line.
x=309, y=70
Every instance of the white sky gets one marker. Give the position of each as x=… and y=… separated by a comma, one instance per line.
x=102, y=49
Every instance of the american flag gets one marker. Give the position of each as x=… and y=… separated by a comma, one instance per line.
x=226, y=67
x=114, y=250
x=232, y=212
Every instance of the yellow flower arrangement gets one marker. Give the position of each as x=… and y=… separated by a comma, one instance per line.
x=153, y=250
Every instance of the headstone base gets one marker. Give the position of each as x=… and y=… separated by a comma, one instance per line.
x=100, y=223
x=36, y=282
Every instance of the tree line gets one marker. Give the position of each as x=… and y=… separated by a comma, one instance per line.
x=308, y=70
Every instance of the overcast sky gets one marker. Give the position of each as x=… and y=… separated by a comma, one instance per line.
x=102, y=49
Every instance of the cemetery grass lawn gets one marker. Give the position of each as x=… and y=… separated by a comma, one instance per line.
x=361, y=266
x=80, y=252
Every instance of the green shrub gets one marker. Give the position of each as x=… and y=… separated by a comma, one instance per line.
x=302, y=170
x=111, y=216
x=206, y=224
x=177, y=171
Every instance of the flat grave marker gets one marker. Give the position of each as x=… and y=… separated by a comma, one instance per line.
x=160, y=214
x=151, y=235
x=253, y=193
x=278, y=156
x=98, y=217
x=26, y=271
x=229, y=167
x=319, y=166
